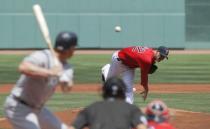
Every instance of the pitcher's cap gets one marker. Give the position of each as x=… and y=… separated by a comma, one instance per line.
x=164, y=51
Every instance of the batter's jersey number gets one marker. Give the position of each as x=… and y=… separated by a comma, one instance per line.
x=139, y=49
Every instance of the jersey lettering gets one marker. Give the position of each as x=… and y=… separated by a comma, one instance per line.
x=139, y=49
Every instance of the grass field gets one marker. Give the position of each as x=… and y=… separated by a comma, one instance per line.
x=186, y=101
x=178, y=69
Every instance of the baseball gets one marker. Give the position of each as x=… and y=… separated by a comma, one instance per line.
x=118, y=29
x=134, y=89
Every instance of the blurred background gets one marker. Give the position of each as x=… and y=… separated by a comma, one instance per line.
x=178, y=24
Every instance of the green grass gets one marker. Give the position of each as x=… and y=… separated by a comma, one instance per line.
x=186, y=101
x=198, y=102
x=2, y=100
x=178, y=69
x=8, y=68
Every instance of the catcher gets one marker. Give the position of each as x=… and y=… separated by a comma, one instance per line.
x=127, y=59
x=157, y=114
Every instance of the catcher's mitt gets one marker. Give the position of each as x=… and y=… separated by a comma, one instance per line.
x=153, y=68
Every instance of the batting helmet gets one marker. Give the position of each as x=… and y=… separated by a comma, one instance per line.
x=164, y=51
x=65, y=40
x=157, y=110
x=114, y=88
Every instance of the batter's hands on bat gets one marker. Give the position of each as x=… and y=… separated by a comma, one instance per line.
x=66, y=80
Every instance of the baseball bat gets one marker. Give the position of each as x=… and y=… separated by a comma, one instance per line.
x=44, y=29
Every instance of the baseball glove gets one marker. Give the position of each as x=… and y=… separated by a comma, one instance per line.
x=153, y=68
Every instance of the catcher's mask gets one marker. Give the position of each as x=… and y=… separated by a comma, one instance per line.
x=153, y=68
x=157, y=111
x=65, y=40
x=114, y=88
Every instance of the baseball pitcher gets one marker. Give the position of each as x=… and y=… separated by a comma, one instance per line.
x=125, y=61
x=25, y=106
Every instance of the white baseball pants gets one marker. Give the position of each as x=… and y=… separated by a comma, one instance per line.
x=117, y=68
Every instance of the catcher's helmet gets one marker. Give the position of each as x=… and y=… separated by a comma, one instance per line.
x=164, y=51
x=65, y=40
x=157, y=110
x=114, y=88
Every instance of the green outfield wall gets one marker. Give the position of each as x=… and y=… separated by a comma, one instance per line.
x=197, y=23
x=143, y=22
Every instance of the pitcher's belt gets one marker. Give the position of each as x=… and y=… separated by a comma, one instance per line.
x=118, y=59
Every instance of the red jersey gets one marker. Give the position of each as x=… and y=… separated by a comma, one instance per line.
x=138, y=56
x=162, y=125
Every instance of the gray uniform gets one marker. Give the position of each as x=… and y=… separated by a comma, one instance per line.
x=24, y=107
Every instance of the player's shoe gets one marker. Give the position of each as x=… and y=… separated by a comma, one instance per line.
x=102, y=78
x=104, y=72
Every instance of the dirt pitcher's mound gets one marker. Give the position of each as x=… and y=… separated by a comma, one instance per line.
x=190, y=120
